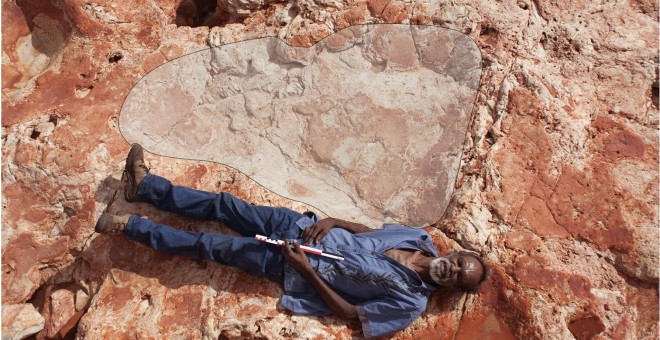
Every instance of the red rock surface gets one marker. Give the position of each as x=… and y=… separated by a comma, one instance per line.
x=558, y=187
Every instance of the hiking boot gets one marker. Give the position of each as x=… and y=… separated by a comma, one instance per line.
x=134, y=172
x=109, y=222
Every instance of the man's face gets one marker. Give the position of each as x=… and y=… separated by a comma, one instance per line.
x=455, y=270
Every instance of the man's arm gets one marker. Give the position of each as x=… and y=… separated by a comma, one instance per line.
x=321, y=228
x=298, y=260
x=354, y=228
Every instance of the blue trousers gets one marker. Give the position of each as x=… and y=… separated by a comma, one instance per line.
x=245, y=252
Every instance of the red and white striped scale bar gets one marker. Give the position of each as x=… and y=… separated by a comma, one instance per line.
x=306, y=249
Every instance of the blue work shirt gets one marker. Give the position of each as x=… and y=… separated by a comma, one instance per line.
x=387, y=295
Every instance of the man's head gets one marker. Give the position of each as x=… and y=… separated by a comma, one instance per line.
x=462, y=270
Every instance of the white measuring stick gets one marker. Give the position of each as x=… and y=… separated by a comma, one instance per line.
x=304, y=248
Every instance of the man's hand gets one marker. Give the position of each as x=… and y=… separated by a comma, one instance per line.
x=296, y=257
x=316, y=232
x=298, y=260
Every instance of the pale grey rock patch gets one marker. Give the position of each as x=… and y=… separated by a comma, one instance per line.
x=367, y=125
x=20, y=321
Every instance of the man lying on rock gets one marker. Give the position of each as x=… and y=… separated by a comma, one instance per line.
x=385, y=279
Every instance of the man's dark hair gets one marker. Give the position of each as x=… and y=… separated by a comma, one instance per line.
x=475, y=288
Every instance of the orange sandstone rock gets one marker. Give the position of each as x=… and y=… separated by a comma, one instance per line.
x=558, y=185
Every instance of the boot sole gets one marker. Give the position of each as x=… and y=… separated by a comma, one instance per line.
x=103, y=220
x=136, y=151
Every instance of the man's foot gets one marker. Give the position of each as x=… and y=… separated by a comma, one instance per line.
x=134, y=171
x=109, y=222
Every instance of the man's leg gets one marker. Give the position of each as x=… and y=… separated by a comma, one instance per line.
x=246, y=253
x=241, y=216
x=246, y=218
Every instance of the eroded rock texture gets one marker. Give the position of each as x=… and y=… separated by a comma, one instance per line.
x=557, y=185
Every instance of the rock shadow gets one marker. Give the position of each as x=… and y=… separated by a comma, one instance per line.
x=48, y=26
x=196, y=13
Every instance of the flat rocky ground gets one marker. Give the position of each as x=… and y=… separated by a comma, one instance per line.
x=557, y=185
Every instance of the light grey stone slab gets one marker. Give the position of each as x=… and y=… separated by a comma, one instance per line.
x=366, y=125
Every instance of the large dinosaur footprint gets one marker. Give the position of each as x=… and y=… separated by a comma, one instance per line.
x=366, y=125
